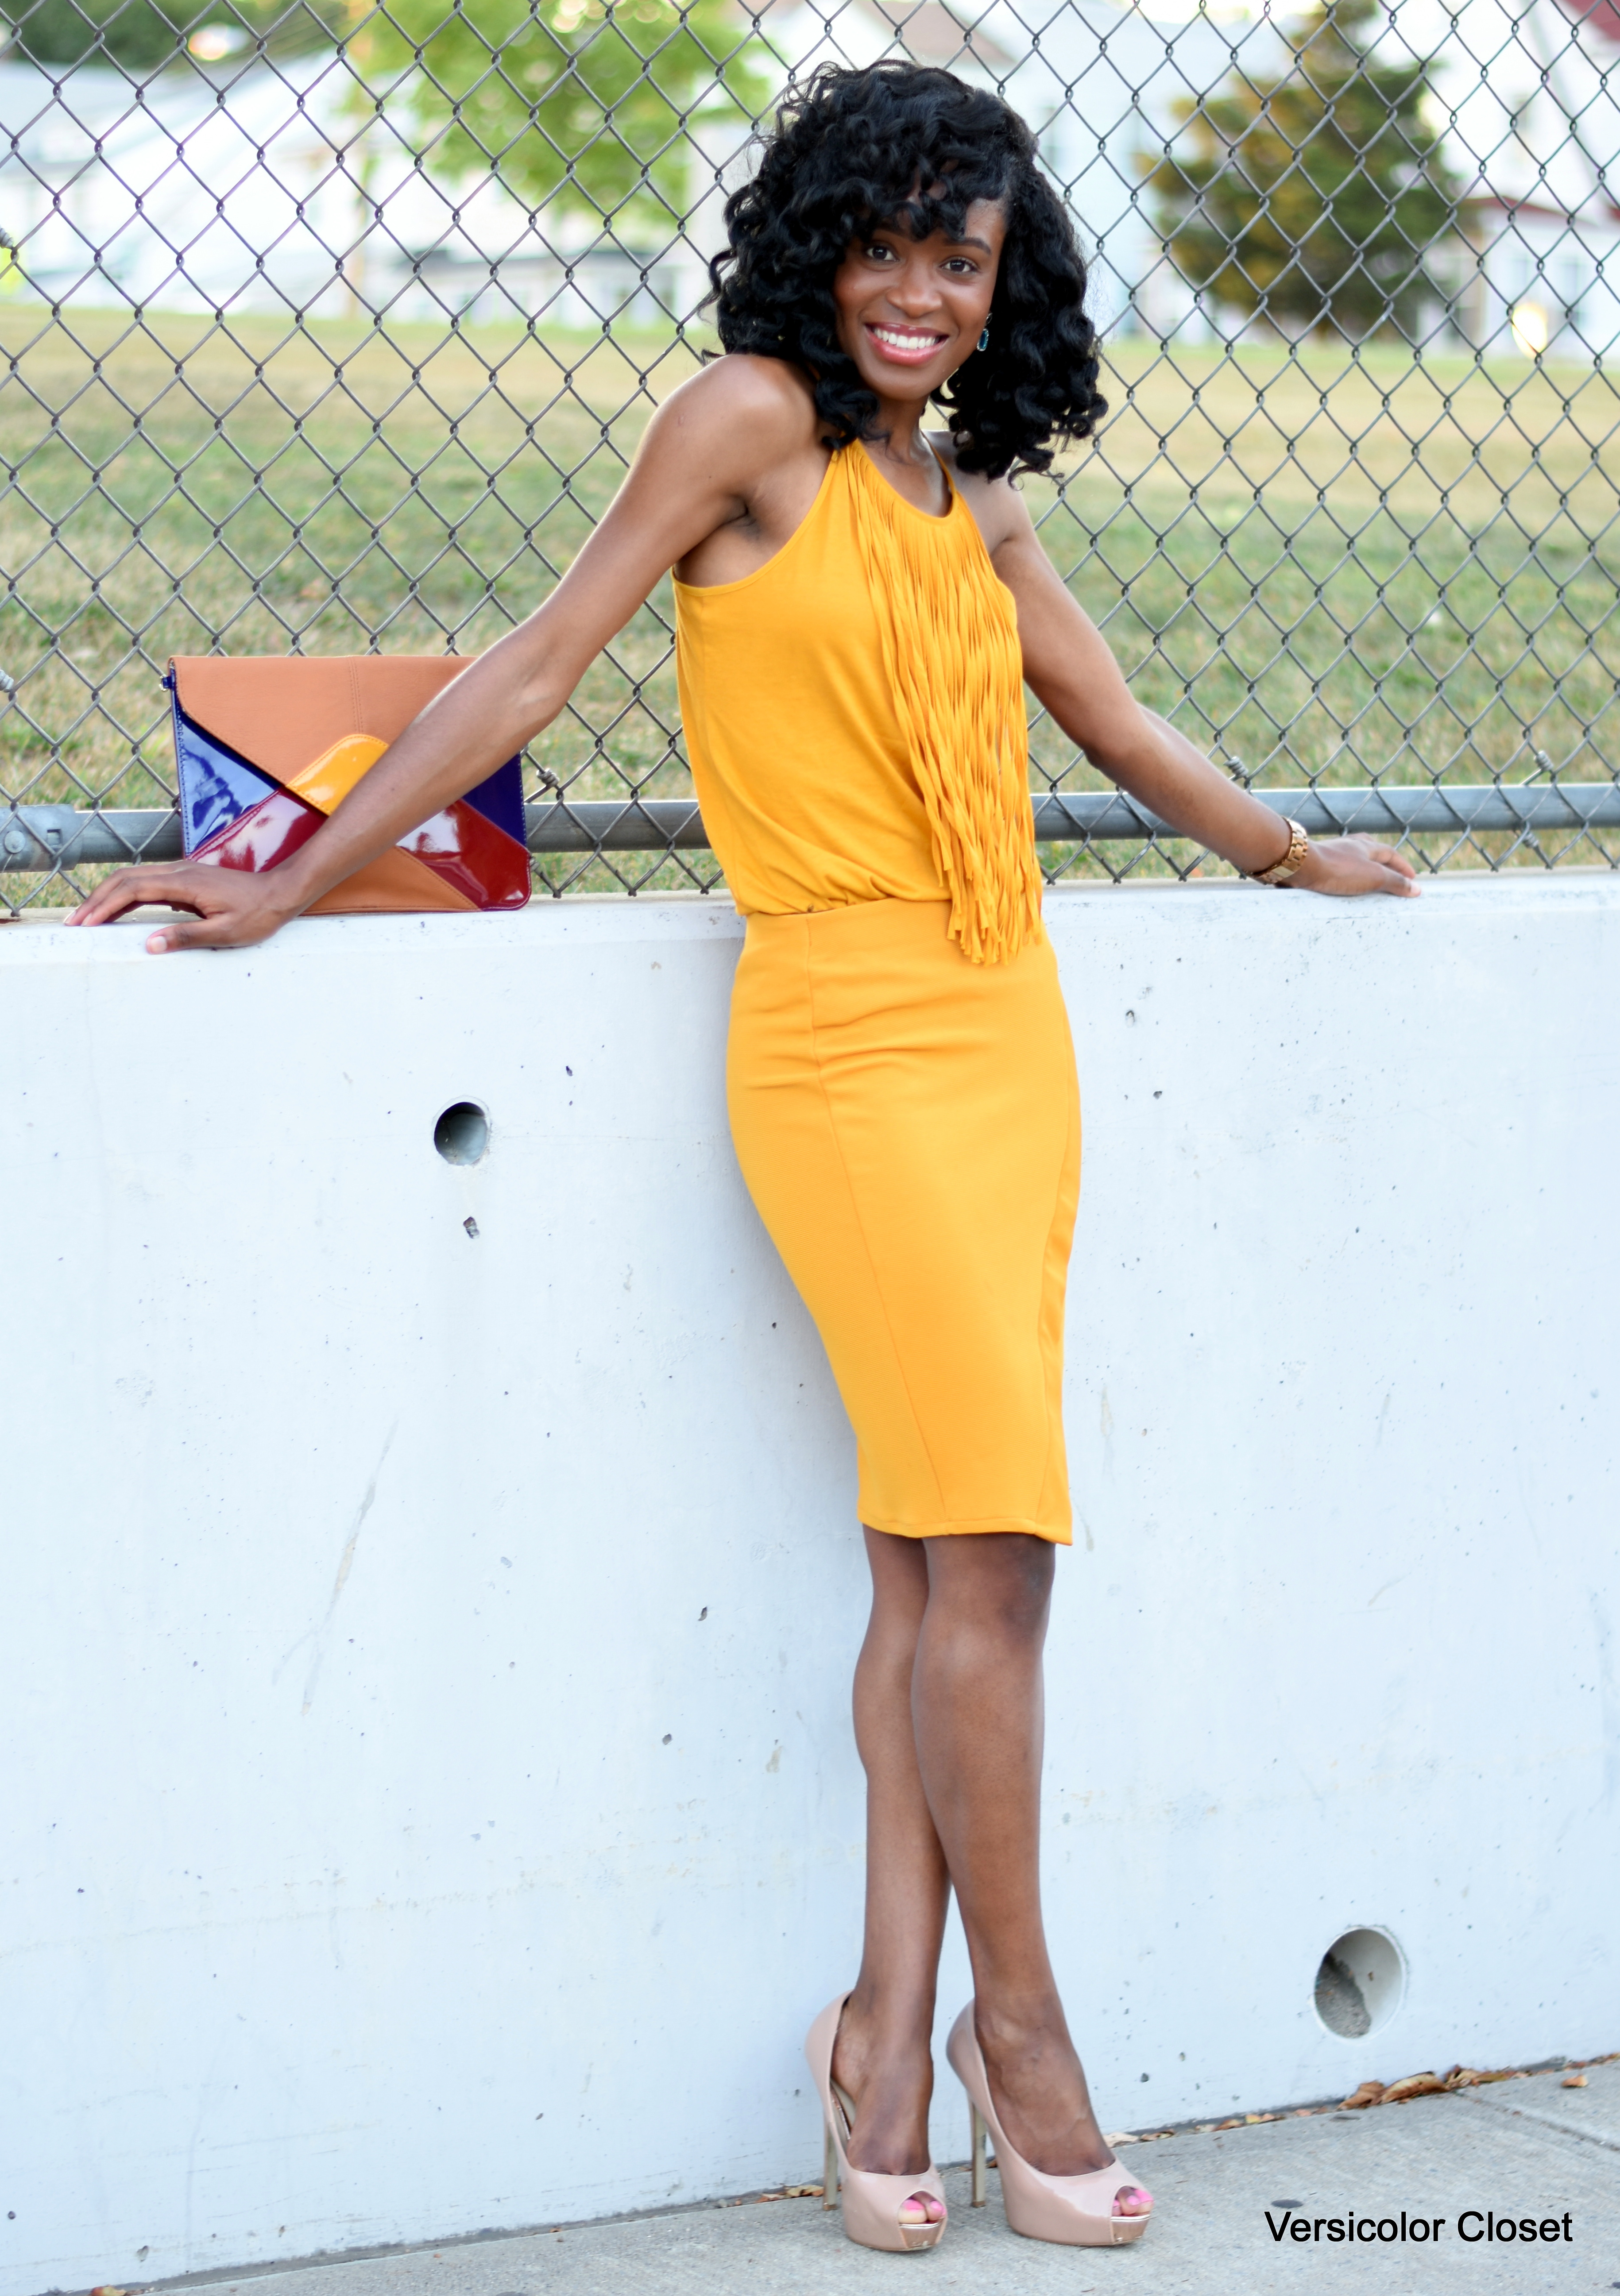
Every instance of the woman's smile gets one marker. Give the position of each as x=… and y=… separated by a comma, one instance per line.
x=908, y=346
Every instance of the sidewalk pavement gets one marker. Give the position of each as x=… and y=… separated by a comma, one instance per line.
x=1521, y=2148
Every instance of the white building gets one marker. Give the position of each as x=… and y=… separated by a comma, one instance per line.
x=1533, y=94
x=202, y=189
x=254, y=189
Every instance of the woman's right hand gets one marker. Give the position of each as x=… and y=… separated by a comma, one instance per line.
x=230, y=908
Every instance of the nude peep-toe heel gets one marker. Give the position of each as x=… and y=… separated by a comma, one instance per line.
x=872, y=2203
x=1077, y=2212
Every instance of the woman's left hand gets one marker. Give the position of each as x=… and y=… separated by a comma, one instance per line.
x=1355, y=864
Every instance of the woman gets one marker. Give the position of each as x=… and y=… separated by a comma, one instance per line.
x=859, y=606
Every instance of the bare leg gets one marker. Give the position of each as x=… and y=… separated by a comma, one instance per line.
x=978, y=1719
x=883, y=2054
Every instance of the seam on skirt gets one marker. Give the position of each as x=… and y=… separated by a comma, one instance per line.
x=832, y=1125
x=1070, y=1128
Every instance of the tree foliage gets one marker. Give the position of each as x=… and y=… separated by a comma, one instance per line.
x=1314, y=199
x=136, y=35
x=582, y=102
x=142, y=36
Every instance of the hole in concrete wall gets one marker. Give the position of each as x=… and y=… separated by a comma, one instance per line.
x=1360, y=1983
x=462, y=1134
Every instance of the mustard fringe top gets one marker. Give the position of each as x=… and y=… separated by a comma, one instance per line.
x=854, y=714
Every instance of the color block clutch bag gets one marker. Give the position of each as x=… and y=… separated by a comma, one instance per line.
x=267, y=747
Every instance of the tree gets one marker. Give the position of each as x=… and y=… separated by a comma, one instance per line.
x=582, y=102
x=144, y=36
x=1313, y=200
x=133, y=33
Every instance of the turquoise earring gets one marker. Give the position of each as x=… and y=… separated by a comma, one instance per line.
x=984, y=342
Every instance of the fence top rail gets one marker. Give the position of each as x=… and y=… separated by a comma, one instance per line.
x=42, y=838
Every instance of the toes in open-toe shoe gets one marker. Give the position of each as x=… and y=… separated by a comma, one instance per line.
x=879, y=2211
x=1077, y=2212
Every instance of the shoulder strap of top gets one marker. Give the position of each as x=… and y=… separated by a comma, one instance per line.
x=950, y=636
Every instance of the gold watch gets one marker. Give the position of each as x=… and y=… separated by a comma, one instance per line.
x=1293, y=861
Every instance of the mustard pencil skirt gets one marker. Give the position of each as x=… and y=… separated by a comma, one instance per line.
x=908, y=1126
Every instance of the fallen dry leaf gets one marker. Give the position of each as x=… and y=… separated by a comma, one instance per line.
x=1414, y=2085
x=1228, y=2124
x=1371, y=2092
x=1120, y=2137
x=1573, y=2080
x=804, y=2193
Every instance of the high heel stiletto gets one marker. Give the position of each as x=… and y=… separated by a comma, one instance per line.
x=872, y=2203
x=1077, y=2212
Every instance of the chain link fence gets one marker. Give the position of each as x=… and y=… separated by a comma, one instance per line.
x=333, y=327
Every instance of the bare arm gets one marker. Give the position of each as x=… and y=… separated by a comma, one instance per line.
x=696, y=468
x=1069, y=668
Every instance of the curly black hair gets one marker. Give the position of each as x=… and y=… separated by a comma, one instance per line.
x=908, y=144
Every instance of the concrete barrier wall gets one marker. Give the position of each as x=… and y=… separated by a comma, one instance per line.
x=430, y=1799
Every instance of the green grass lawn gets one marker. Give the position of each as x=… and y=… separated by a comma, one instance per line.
x=1330, y=565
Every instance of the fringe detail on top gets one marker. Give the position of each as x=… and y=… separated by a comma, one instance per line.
x=949, y=634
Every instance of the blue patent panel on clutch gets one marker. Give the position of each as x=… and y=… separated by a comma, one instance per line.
x=215, y=785
x=500, y=799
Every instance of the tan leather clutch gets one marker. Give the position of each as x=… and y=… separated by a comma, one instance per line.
x=267, y=747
